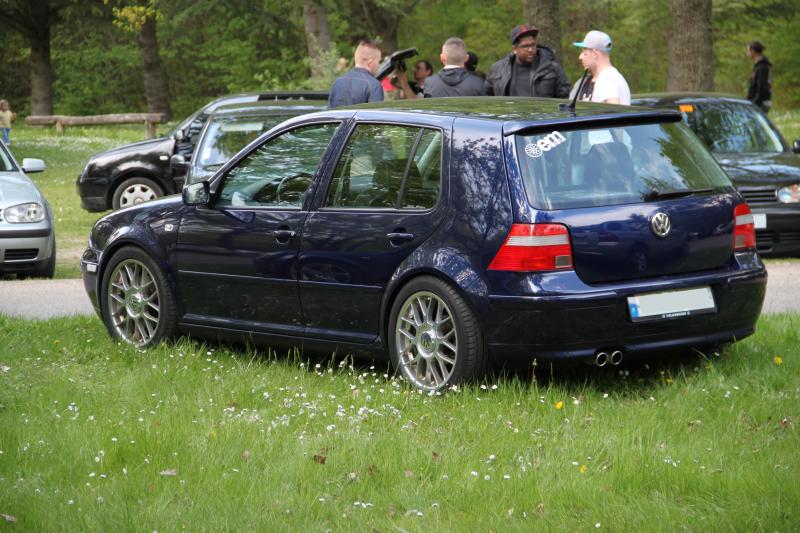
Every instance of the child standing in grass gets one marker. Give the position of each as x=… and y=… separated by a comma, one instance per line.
x=6, y=117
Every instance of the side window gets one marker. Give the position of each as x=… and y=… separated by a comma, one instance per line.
x=425, y=173
x=279, y=172
x=387, y=166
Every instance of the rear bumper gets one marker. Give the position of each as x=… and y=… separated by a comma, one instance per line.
x=576, y=326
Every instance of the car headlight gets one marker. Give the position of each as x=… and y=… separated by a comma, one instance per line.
x=22, y=213
x=789, y=194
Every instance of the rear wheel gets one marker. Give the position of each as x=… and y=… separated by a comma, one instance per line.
x=435, y=340
x=138, y=305
x=134, y=191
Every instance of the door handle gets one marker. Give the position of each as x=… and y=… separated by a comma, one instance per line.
x=397, y=237
x=283, y=235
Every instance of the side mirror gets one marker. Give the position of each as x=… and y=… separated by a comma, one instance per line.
x=30, y=165
x=178, y=163
x=197, y=194
x=796, y=146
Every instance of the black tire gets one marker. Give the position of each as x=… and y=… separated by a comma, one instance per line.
x=422, y=353
x=136, y=190
x=144, y=314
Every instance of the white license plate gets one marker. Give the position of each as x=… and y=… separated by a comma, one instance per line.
x=760, y=220
x=671, y=304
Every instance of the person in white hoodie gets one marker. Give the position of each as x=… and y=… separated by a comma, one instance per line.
x=604, y=83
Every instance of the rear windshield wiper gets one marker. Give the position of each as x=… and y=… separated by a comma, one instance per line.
x=655, y=194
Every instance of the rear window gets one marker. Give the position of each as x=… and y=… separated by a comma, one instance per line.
x=565, y=169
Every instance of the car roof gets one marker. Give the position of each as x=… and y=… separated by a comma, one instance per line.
x=263, y=96
x=518, y=114
x=675, y=98
x=269, y=107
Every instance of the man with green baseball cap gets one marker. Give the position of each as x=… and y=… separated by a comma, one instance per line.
x=606, y=83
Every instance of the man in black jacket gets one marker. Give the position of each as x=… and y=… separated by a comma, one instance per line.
x=453, y=79
x=529, y=70
x=760, y=91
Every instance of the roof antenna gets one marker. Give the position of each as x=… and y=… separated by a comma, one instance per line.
x=571, y=106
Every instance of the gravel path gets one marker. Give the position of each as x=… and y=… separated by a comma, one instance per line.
x=42, y=299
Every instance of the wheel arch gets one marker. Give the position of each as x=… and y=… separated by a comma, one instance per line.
x=470, y=286
x=127, y=242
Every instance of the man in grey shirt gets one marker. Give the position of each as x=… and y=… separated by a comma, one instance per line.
x=359, y=86
x=454, y=79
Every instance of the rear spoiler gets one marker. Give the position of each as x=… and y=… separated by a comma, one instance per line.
x=570, y=122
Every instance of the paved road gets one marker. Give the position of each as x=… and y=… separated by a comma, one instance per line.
x=44, y=299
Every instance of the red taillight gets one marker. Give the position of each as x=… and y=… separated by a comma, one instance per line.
x=744, y=229
x=533, y=247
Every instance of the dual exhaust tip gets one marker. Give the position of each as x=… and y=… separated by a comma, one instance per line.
x=603, y=358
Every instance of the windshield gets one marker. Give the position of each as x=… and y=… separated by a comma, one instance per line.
x=610, y=166
x=225, y=136
x=730, y=127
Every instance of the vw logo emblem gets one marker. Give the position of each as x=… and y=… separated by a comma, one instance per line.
x=660, y=225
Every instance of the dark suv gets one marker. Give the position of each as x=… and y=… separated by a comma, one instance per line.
x=442, y=233
x=141, y=171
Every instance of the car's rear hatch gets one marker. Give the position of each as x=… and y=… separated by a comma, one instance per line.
x=639, y=201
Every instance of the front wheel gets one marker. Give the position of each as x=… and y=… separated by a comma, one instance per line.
x=138, y=304
x=434, y=338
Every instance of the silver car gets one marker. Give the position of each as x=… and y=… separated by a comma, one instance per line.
x=27, y=236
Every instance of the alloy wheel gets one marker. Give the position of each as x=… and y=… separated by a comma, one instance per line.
x=426, y=341
x=133, y=302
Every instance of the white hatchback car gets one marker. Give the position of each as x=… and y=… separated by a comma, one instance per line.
x=27, y=234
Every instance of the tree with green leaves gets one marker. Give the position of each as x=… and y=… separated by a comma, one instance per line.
x=34, y=20
x=141, y=16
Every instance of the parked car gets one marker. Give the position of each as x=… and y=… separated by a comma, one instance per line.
x=232, y=127
x=759, y=161
x=442, y=233
x=27, y=234
x=141, y=171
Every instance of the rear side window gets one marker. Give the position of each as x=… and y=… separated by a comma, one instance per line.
x=612, y=166
x=388, y=166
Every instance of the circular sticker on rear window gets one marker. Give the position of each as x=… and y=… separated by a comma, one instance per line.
x=533, y=150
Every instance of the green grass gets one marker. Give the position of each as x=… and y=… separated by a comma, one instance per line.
x=98, y=436
x=66, y=155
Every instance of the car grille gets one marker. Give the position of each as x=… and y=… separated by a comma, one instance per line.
x=765, y=240
x=22, y=254
x=759, y=196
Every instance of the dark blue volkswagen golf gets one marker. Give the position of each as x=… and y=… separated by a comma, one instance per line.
x=443, y=234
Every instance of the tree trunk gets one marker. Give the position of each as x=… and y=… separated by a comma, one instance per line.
x=545, y=15
x=318, y=37
x=41, y=73
x=155, y=80
x=692, y=62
